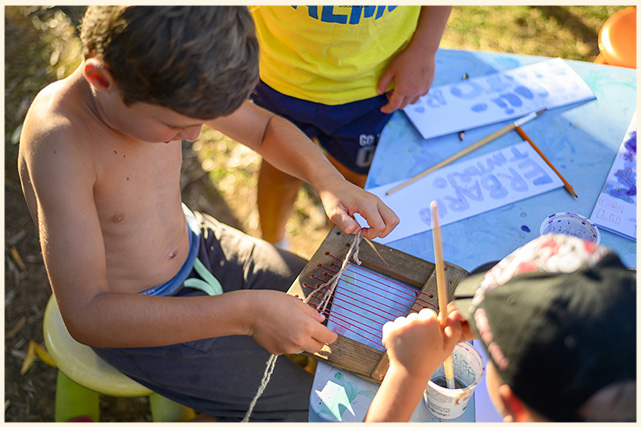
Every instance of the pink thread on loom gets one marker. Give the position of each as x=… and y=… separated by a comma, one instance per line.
x=350, y=324
x=359, y=283
x=353, y=252
x=409, y=289
x=400, y=312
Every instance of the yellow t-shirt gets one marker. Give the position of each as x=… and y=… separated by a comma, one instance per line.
x=330, y=54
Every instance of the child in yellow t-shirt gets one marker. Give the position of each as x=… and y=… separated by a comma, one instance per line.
x=338, y=72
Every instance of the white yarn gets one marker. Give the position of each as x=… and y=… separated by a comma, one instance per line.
x=333, y=282
x=271, y=362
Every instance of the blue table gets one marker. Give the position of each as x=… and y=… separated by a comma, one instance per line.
x=581, y=141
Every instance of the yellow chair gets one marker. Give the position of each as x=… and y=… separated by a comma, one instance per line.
x=83, y=377
x=618, y=39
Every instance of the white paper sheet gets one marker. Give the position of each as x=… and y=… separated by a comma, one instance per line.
x=616, y=207
x=467, y=188
x=497, y=97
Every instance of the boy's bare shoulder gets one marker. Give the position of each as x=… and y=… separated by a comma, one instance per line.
x=53, y=143
x=50, y=114
x=58, y=119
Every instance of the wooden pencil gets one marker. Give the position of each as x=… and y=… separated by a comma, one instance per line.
x=527, y=138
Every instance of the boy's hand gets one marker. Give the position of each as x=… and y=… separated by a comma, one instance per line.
x=284, y=324
x=466, y=332
x=412, y=69
x=417, y=344
x=413, y=76
x=342, y=200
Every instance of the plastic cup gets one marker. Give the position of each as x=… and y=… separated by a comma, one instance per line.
x=469, y=369
x=572, y=224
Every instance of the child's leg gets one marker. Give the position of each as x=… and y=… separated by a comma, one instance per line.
x=276, y=190
x=220, y=377
x=353, y=177
x=276, y=194
x=240, y=261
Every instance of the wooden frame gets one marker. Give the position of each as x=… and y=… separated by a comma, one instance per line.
x=350, y=355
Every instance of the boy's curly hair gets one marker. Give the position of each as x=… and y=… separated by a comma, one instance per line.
x=199, y=61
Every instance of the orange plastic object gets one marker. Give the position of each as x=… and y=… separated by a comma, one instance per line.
x=618, y=39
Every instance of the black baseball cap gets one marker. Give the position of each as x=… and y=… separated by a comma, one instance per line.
x=557, y=317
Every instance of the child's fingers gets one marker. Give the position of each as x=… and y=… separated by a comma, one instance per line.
x=466, y=332
x=427, y=313
x=391, y=329
x=384, y=81
x=454, y=314
x=311, y=311
x=453, y=331
x=396, y=102
x=451, y=308
x=345, y=221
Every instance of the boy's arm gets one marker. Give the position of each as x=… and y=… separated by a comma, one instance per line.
x=286, y=147
x=74, y=255
x=412, y=70
x=416, y=346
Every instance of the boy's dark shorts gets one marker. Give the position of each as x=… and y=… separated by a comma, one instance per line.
x=220, y=376
x=348, y=132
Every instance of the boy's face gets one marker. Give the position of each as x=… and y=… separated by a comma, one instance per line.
x=492, y=382
x=148, y=122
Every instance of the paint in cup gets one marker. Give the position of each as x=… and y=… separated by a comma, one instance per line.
x=469, y=369
x=572, y=224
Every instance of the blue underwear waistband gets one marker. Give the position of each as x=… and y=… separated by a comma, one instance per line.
x=168, y=288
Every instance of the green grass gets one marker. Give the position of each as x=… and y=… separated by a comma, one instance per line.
x=569, y=32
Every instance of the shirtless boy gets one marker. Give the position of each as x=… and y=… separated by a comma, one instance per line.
x=100, y=158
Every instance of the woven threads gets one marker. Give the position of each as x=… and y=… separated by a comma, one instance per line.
x=333, y=282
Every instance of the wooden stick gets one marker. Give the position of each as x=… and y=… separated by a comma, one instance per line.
x=469, y=149
x=527, y=138
x=448, y=365
x=456, y=156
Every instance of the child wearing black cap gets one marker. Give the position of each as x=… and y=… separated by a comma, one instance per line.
x=557, y=318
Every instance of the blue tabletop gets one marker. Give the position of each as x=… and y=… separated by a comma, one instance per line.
x=580, y=140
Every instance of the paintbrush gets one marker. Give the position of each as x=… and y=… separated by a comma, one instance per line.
x=441, y=287
x=469, y=149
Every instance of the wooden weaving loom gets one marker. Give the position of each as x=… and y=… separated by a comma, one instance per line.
x=347, y=354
